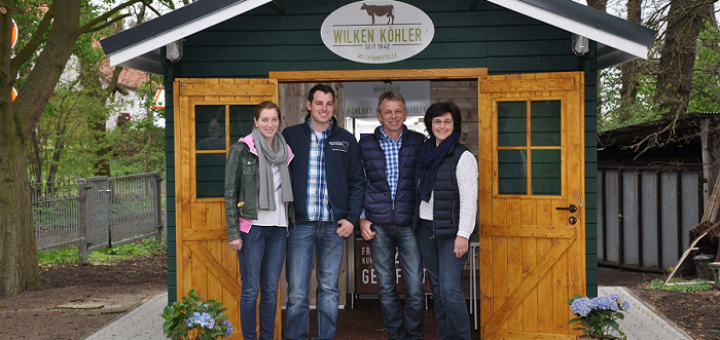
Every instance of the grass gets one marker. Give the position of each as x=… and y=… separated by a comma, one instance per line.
x=680, y=286
x=69, y=256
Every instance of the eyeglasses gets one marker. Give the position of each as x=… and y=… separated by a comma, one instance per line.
x=440, y=122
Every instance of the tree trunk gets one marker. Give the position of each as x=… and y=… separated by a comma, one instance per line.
x=598, y=4
x=18, y=254
x=677, y=58
x=629, y=70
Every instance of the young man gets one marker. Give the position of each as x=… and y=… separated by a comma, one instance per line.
x=389, y=158
x=328, y=188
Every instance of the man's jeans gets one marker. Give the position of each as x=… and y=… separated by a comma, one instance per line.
x=302, y=243
x=382, y=250
x=445, y=271
x=261, y=260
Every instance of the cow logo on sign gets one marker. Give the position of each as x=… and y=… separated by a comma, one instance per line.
x=381, y=11
x=348, y=33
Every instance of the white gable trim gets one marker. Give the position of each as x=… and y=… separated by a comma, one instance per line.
x=628, y=46
x=183, y=31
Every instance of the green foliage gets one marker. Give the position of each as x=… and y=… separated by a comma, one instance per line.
x=613, y=113
x=598, y=317
x=706, y=78
x=192, y=318
x=138, y=147
x=680, y=286
x=59, y=256
x=107, y=256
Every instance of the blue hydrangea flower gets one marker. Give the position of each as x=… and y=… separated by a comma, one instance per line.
x=205, y=320
x=620, y=300
x=582, y=307
x=230, y=328
x=189, y=323
x=604, y=303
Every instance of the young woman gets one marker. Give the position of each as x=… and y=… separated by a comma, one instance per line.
x=447, y=188
x=257, y=192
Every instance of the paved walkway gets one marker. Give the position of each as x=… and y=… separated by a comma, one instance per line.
x=641, y=322
x=142, y=323
x=145, y=323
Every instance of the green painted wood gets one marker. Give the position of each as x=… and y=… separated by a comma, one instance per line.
x=261, y=41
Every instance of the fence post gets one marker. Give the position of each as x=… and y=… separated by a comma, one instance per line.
x=83, y=219
x=158, y=206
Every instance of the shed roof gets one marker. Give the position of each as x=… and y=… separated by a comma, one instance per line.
x=139, y=47
x=686, y=126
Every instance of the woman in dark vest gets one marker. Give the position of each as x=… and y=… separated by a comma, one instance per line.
x=447, y=190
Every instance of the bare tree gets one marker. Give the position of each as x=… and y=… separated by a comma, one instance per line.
x=629, y=70
x=685, y=19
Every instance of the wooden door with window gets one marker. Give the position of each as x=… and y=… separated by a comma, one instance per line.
x=210, y=115
x=532, y=228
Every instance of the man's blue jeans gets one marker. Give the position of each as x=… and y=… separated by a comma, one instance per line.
x=261, y=260
x=382, y=250
x=303, y=241
x=445, y=271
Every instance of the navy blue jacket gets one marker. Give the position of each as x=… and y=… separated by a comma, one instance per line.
x=446, y=199
x=379, y=207
x=343, y=172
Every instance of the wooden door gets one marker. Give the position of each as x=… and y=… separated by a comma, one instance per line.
x=531, y=165
x=210, y=115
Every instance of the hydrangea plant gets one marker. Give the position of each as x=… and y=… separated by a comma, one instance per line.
x=190, y=318
x=598, y=317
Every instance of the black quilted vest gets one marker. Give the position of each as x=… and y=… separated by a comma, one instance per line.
x=379, y=207
x=446, y=208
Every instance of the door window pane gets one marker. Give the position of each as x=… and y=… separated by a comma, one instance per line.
x=241, y=121
x=210, y=173
x=512, y=123
x=546, y=172
x=512, y=172
x=210, y=127
x=545, y=123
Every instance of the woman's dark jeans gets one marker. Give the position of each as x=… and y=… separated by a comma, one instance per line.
x=445, y=271
x=261, y=260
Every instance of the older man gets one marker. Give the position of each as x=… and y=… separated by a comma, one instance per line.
x=389, y=158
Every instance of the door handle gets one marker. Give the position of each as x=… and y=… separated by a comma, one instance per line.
x=572, y=208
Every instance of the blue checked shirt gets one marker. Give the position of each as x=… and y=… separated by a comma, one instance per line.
x=318, y=207
x=391, y=149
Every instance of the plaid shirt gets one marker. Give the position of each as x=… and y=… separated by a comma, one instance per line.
x=391, y=149
x=318, y=207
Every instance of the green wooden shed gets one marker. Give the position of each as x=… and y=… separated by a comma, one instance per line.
x=524, y=73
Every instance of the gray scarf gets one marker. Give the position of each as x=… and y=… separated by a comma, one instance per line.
x=267, y=157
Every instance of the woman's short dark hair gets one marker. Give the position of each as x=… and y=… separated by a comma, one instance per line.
x=322, y=88
x=267, y=105
x=439, y=109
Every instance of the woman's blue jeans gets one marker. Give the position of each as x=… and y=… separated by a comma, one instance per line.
x=445, y=271
x=261, y=260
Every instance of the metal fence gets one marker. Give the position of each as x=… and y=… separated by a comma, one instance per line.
x=97, y=212
x=645, y=215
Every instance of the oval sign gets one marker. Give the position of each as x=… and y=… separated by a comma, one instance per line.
x=377, y=32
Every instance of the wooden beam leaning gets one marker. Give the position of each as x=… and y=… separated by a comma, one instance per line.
x=214, y=267
x=315, y=76
x=277, y=6
x=530, y=282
